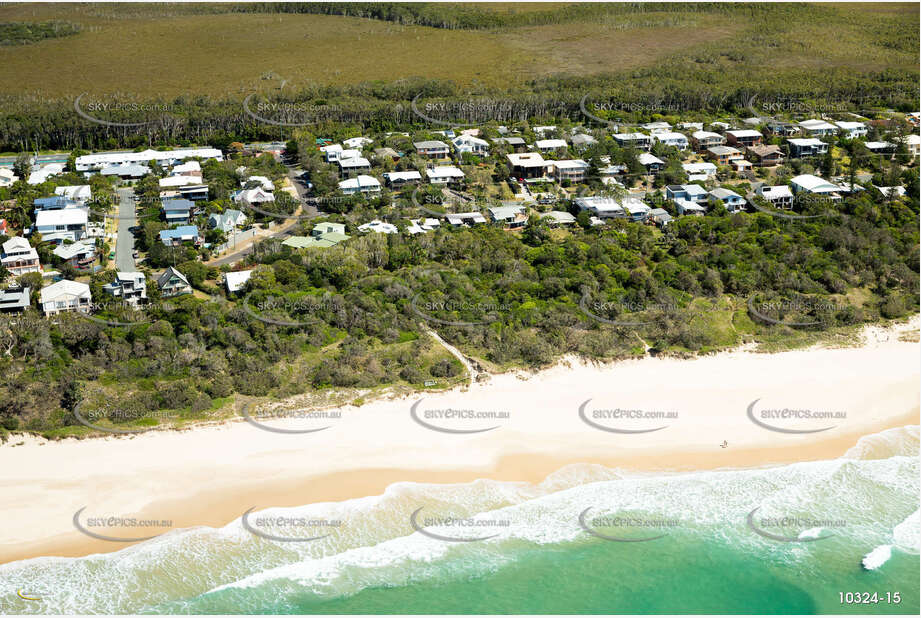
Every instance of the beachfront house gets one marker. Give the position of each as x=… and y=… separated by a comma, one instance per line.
x=397, y=180
x=766, y=156
x=527, y=164
x=701, y=140
x=226, y=221
x=81, y=254
x=743, y=137
x=728, y=198
x=60, y=225
x=181, y=235
x=444, y=174
x=652, y=163
x=173, y=283
x=177, y=211
x=806, y=147
x=546, y=146
x=15, y=299
x=778, y=196
x=818, y=128
x=367, y=185
x=470, y=144
x=129, y=286
x=813, y=185
x=678, y=140
x=511, y=217
x=65, y=295
x=235, y=281
x=634, y=140
x=19, y=257
x=851, y=130
x=572, y=170
x=722, y=155
x=432, y=149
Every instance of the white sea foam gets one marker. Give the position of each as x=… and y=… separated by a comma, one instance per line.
x=377, y=546
x=877, y=558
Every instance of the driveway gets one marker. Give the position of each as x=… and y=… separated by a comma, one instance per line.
x=124, y=243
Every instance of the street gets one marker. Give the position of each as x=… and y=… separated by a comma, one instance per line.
x=124, y=244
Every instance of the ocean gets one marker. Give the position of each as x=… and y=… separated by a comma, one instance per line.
x=801, y=538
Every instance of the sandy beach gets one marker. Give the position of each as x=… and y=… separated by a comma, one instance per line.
x=711, y=412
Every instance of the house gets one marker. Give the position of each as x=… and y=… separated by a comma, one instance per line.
x=660, y=217
x=580, y=141
x=7, y=177
x=15, y=299
x=813, y=185
x=556, y=218
x=126, y=172
x=550, y=145
x=420, y=226
x=543, y=129
x=444, y=174
x=740, y=165
x=130, y=286
x=253, y=197
x=851, y=130
x=880, y=148
x=397, y=180
x=818, y=128
x=65, y=295
x=699, y=171
x=432, y=149
x=360, y=184
x=691, y=193
x=379, y=227
x=19, y=257
x=226, y=221
x=80, y=254
x=766, y=156
x=471, y=144
x=194, y=193
x=891, y=192
x=652, y=163
x=261, y=181
x=610, y=208
x=180, y=235
x=353, y=166
x=321, y=229
x=465, y=219
x=806, y=147
x=179, y=181
x=689, y=208
x=517, y=143
x=654, y=127
x=357, y=143
x=527, y=164
x=691, y=126
x=783, y=129
x=164, y=158
x=744, y=137
x=778, y=196
x=730, y=199
x=45, y=172
x=387, y=153
x=573, y=170
x=60, y=225
x=331, y=152
x=720, y=125
x=722, y=155
x=81, y=194
x=57, y=202
x=236, y=281
x=173, y=283
x=177, y=211
x=678, y=140
x=634, y=140
x=913, y=142
x=511, y=217
x=189, y=168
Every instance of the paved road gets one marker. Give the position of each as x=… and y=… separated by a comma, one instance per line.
x=124, y=244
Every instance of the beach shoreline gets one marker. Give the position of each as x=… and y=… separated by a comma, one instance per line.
x=211, y=475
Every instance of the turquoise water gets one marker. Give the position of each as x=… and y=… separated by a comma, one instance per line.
x=541, y=561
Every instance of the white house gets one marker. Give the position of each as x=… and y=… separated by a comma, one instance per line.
x=778, y=196
x=806, y=146
x=378, y=226
x=360, y=184
x=471, y=144
x=357, y=143
x=189, y=168
x=610, y=208
x=235, y=281
x=60, y=225
x=678, y=140
x=130, y=286
x=808, y=183
x=66, y=295
x=78, y=193
x=163, y=158
x=226, y=221
x=173, y=283
x=353, y=165
x=45, y=172
x=253, y=197
x=420, y=226
x=818, y=128
x=19, y=257
x=400, y=179
x=730, y=199
x=444, y=174
x=852, y=130
x=573, y=170
x=264, y=182
x=7, y=177
x=699, y=171
x=550, y=145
